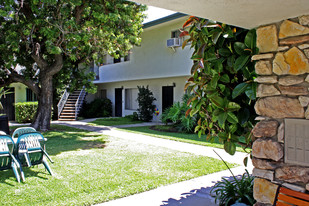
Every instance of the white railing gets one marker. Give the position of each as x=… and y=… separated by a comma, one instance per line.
x=62, y=102
x=79, y=101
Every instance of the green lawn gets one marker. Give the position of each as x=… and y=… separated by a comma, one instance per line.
x=92, y=168
x=113, y=121
x=181, y=137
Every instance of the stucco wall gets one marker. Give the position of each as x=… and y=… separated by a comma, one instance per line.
x=20, y=92
x=155, y=85
x=153, y=59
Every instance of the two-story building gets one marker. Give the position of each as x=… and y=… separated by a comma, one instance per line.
x=158, y=62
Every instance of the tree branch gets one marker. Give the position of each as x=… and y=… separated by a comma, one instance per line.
x=78, y=12
x=57, y=66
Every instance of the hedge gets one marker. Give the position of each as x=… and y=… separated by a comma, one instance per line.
x=25, y=111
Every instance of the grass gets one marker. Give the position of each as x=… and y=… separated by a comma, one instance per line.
x=113, y=121
x=176, y=136
x=92, y=168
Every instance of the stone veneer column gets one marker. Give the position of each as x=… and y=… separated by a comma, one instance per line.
x=283, y=83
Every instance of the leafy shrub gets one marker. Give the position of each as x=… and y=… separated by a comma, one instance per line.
x=229, y=192
x=25, y=111
x=222, y=80
x=145, y=101
x=177, y=114
x=135, y=116
x=97, y=108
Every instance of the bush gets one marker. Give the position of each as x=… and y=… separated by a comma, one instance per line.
x=97, y=108
x=145, y=101
x=233, y=191
x=25, y=111
x=177, y=115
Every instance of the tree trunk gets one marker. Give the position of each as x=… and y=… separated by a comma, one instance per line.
x=45, y=102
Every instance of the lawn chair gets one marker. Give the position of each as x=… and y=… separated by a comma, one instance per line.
x=30, y=150
x=22, y=130
x=7, y=160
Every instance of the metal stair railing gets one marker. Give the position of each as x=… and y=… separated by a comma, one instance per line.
x=62, y=102
x=79, y=101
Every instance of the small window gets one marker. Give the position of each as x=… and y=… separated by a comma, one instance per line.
x=30, y=95
x=130, y=99
x=175, y=34
x=117, y=60
x=127, y=58
x=103, y=94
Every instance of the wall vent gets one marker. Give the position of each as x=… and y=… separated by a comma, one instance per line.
x=173, y=42
x=296, y=143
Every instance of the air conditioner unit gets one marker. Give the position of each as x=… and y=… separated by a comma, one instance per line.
x=173, y=42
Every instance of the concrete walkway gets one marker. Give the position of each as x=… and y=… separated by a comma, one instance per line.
x=194, y=192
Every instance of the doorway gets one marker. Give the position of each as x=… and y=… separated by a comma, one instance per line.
x=118, y=102
x=8, y=104
x=167, y=97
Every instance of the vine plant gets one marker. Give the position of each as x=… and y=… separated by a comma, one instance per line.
x=222, y=80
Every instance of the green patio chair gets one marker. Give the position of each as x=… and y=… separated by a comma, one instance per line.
x=22, y=130
x=30, y=150
x=7, y=160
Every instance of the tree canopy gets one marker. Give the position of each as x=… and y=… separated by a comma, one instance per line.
x=52, y=37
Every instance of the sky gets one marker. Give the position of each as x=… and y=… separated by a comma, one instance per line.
x=154, y=13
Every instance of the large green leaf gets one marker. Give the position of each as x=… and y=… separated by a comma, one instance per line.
x=250, y=39
x=230, y=147
x=232, y=106
x=225, y=78
x=241, y=62
x=239, y=89
x=251, y=91
x=218, y=101
x=222, y=118
x=232, y=118
x=240, y=48
x=224, y=52
x=214, y=81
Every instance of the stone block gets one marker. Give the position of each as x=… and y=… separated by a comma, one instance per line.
x=267, y=149
x=303, y=46
x=304, y=101
x=294, y=40
x=290, y=29
x=293, y=174
x=292, y=62
x=281, y=133
x=307, y=78
x=307, y=187
x=265, y=164
x=265, y=90
x=279, y=107
x=266, y=79
x=307, y=113
x=262, y=56
x=293, y=90
x=283, y=48
x=306, y=51
x=265, y=174
x=263, y=68
x=265, y=129
x=291, y=80
x=267, y=40
x=264, y=191
x=294, y=187
x=304, y=20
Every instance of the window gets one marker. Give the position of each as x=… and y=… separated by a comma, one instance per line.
x=103, y=94
x=130, y=99
x=175, y=34
x=30, y=96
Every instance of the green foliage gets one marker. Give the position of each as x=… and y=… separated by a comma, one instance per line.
x=25, y=111
x=237, y=190
x=51, y=39
x=221, y=82
x=145, y=101
x=97, y=108
x=177, y=114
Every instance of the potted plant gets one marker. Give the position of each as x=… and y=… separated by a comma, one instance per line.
x=4, y=120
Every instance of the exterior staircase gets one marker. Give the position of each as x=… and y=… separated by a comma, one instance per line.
x=70, y=104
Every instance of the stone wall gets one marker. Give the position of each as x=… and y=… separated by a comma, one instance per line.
x=283, y=82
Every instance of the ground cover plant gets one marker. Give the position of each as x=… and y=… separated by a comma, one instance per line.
x=114, y=121
x=169, y=132
x=92, y=168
